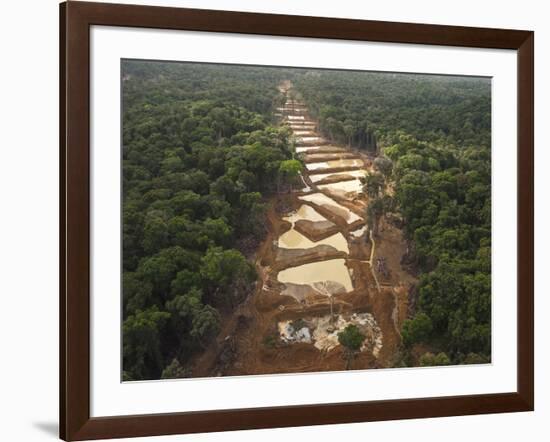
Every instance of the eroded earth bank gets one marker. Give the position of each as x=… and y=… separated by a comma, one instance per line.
x=319, y=270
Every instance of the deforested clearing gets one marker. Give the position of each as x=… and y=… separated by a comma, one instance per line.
x=288, y=220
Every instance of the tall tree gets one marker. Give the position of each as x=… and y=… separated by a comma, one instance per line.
x=373, y=184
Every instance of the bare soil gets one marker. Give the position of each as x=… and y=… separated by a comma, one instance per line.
x=249, y=341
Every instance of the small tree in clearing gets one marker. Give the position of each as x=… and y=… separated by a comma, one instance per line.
x=290, y=170
x=352, y=339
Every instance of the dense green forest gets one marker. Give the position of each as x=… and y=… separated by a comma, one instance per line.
x=200, y=153
x=360, y=107
x=436, y=132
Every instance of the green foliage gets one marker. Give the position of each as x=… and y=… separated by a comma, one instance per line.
x=433, y=140
x=200, y=153
x=373, y=184
x=417, y=329
x=221, y=268
x=458, y=299
x=206, y=323
x=444, y=196
x=365, y=109
x=431, y=360
x=289, y=170
x=475, y=358
x=351, y=339
x=142, y=332
x=136, y=293
x=384, y=165
x=174, y=371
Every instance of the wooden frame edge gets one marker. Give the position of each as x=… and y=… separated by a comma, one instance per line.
x=211, y=20
x=74, y=221
x=526, y=221
x=294, y=416
x=74, y=336
x=62, y=225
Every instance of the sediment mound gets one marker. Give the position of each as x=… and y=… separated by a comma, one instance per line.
x=323, y=331
x=328, y=178
x=295, y=257
x=327, y=156
x=316, y=230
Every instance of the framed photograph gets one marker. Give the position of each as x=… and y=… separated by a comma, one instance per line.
x=272, y=221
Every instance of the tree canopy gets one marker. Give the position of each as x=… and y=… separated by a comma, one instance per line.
x=201, y=151
x=365, y=108
x=351, y=339
x=431, y=136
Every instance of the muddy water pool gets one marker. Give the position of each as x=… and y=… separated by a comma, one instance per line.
x=315, y=273
x=292, y=239
x=343, y=186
